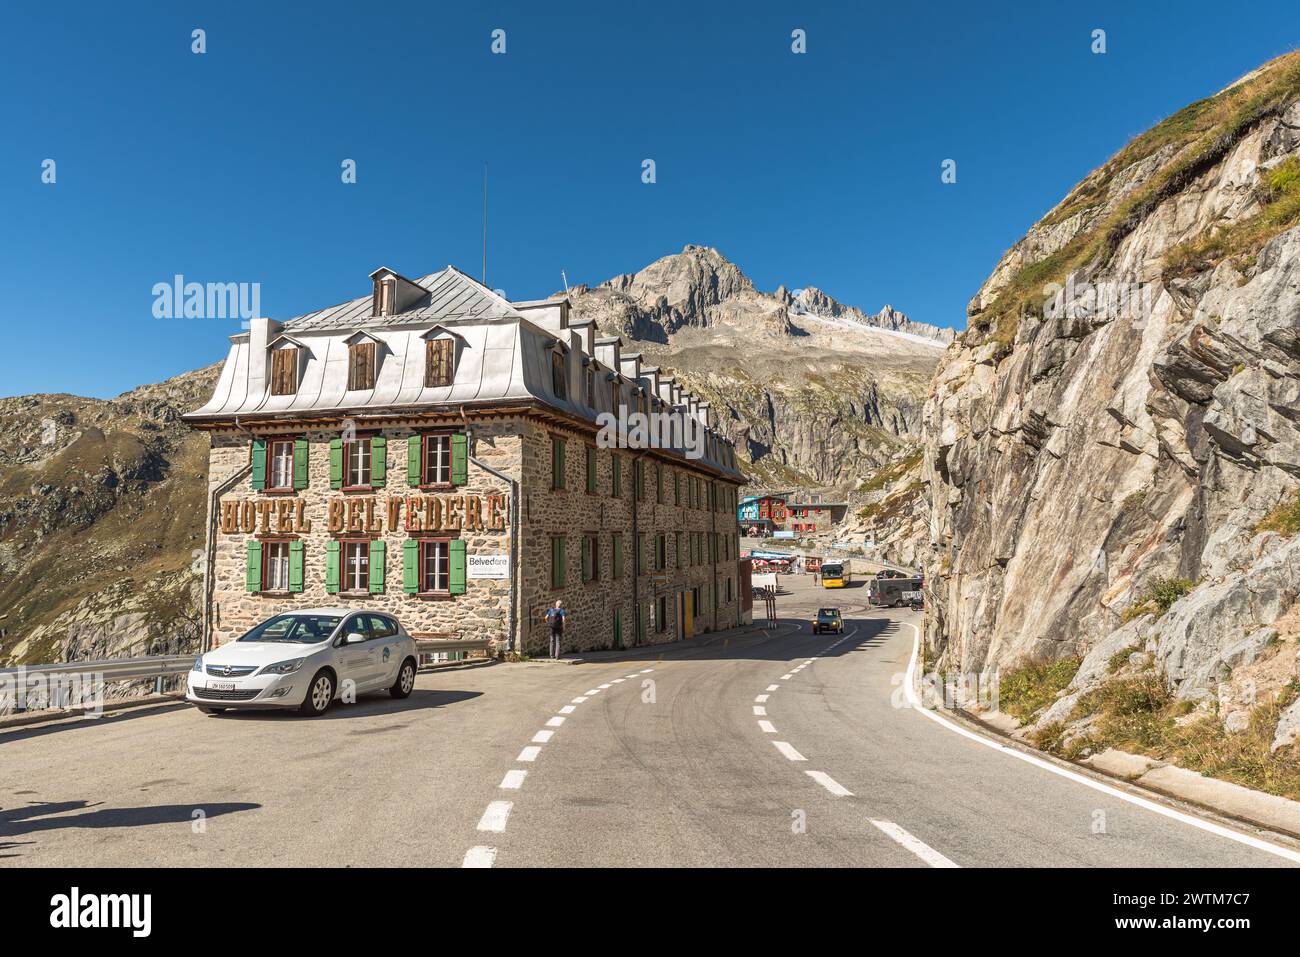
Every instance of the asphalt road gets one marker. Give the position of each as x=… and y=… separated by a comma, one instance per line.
x=777, y=748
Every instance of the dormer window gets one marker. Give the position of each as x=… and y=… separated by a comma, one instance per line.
x=284, y=371
x=559, y=381
x=362, y=361
x=439, y=363
x=591, y=385
x=286, y=354
x=384, y=297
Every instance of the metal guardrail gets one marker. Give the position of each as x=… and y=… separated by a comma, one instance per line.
x=431, y=646
x=108, y=669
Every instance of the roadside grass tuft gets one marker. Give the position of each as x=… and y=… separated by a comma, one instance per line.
x=1285, y=519
x=1024, y=691
x=1160, y=595
x=1140, y=715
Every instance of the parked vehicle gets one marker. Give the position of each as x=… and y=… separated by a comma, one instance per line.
x=892, y=591
x=836, y=574
x=828, y=619
x=891, y=573
x=305, y=660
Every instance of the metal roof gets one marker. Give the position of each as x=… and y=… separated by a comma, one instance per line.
x=451, y=295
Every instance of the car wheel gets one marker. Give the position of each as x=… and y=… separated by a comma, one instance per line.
x=320, y=694
x=206, y=710
x=405, y=680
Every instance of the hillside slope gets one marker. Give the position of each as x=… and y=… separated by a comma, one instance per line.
x=1113, y=447
x=101, y=510
x=813, y=392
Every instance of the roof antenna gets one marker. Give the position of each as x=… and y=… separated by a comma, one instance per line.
x=485, y=184
x=566, y=282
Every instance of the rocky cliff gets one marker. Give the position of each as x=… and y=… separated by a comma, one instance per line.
x=812, y=391
x=1113, y=446
x=101, y=514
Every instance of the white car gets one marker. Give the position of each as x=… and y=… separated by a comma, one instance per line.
x=306, y=659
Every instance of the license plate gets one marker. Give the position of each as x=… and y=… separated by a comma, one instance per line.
x=221, y=686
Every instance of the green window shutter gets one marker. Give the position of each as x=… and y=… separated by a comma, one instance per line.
x=413, y=460
x=410, y=566
x=378, y=461
x=253, y=578
x=459, y=460
x=332, y=567
x=295, y=565
x=336, y=469
x=259, y=464
x=377, y=550
x=456, y=569
x=300, y=453
x=557, y=561
x=557, y=463
x=616, y=470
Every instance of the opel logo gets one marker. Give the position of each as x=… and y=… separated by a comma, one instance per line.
x=226, y=671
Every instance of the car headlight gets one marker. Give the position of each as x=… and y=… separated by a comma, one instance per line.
x=284, y=667
x=198, y=664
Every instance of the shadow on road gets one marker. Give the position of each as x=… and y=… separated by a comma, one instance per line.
x=421, y=699
x=39, y=816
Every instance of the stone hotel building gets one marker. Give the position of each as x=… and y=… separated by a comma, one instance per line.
x=431, y=449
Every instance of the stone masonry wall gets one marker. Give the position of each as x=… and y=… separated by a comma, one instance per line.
x=518, y=447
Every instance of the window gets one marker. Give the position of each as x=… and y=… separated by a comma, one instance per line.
x=439, y=363
x=284, y=371
x=728, y=590
x=383, y=298
x=381, y=627
x=616, y=476
x=435, y=566
x=559, y=384
x=356, y=566
x=591, y=470
x=591, y=385
x=590, y=557
x=659, y=486
x=357, y=458
x=640, y=552
x=437, y=460
x=661, y=618
x=616, y=563
x=361, y=365
x=677, y=488
x=281, y=453
x=557, y=561
x=661, y=552
x=557, y=463
x=275, y=574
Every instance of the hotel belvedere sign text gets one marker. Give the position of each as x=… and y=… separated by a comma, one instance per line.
x=368, y=514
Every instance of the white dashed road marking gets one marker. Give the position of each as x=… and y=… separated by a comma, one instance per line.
x=513, y=780
x=568, y=709
x=541, y=737
x=494, y=818
x=555, y=722
x=760, y=711
x=829, y=783
x=479, y=857
x=766, y=727
x=761, y=698
x=772, y=687
x=918, y=847
x=529, y=753
x=785, y=748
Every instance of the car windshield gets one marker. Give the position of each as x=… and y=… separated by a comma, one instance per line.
x=829, y=613
x=294, y=629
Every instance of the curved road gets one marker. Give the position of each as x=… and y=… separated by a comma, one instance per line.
x=765, y=749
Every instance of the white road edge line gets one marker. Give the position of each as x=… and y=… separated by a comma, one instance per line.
x=479, y=857
x=918, y=847
x=494, y=818
x=1208, y=826
x=829, y=783
x=785, y=748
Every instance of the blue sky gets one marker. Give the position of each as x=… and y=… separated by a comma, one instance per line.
x=815, y=169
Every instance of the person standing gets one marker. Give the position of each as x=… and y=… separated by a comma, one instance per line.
x=555, y=618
